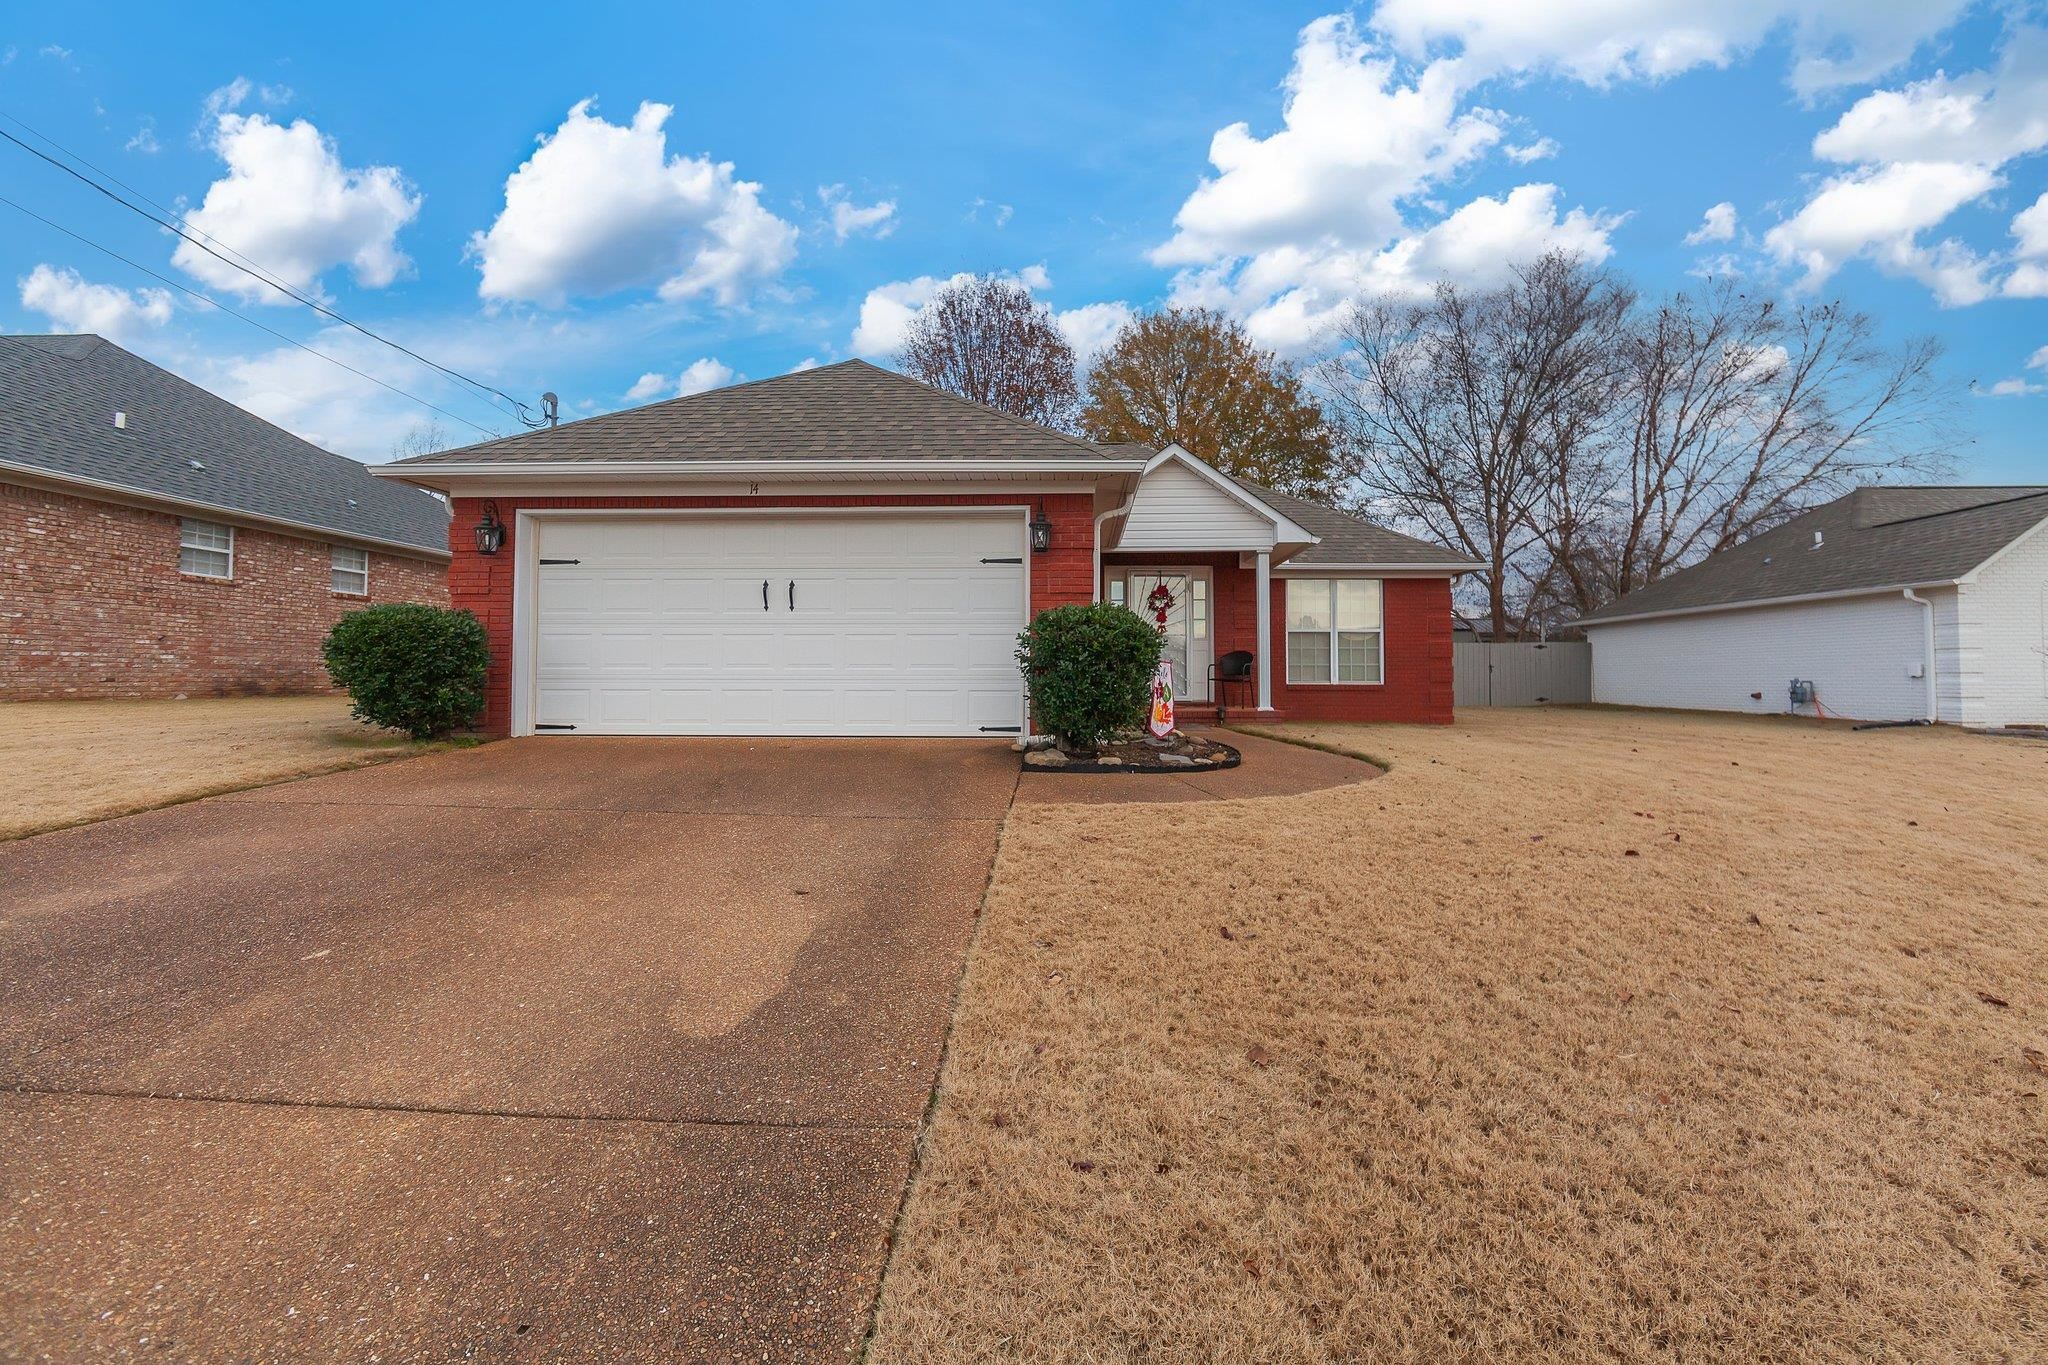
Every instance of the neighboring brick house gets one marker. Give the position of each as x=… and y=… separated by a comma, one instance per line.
x=846, y=551
x=158, y=541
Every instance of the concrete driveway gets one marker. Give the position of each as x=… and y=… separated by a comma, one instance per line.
x=554, y=1048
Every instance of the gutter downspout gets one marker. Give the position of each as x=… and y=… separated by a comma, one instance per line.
x=1933, y=692
x=1095, y=589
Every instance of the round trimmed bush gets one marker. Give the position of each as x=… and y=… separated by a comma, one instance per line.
x=1089, y=671
x=410, y=667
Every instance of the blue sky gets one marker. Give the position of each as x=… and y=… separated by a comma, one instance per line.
x=818, y=172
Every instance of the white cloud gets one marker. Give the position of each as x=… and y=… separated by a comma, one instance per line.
x=1716, y=225
x=889, y=309
x=850, y=219
x=697, y=377
x=75, y=305
x=1296, y=225
x=1986, y=117
x=1355, y=142
x=999, y=214
x=221, y=100
x=290, y=205
x=809, y=362
x=1878, y=214
x=602, y=207
x=1091, y=327
x=2029, y=277
x=1542, y=149
x=144, y=140
x=2019, y=386
x=60, y=55
x=1920, y=153
x=1834, y=42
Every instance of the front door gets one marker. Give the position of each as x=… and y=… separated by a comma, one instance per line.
x=1187, y=625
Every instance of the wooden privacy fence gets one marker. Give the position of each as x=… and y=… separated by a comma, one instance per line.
x=1518, y=673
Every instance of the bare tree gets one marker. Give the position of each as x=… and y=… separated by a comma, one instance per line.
x=1736, y=414
x=1194, y=378
x=425, y=439
x=987, y=339
x=1458, y=411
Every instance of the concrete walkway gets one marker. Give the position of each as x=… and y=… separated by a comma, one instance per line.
x=563, y=1049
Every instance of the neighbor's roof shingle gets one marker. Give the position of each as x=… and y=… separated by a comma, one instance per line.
x=60, y=394
x=1871, y=538
x=848, y=411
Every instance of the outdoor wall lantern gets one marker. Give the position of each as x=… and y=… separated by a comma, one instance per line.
x=490, y=532
x=1041, y=532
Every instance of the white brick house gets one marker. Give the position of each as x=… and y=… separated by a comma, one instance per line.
x=1895, y=603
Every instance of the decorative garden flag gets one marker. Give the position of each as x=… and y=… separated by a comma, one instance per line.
x=1162, y=700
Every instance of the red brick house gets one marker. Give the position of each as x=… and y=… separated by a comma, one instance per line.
x=158, y=541
x=846, y=551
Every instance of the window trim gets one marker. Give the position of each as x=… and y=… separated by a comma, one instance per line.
x=333, y=568
x=227, y=577
x=1287, y=631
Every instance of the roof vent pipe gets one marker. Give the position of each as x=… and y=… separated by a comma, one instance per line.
x=1819, y=539
x=120, y=421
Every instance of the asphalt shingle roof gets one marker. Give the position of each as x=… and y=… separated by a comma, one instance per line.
x=1871, y=538
x=1341, y=537
x=58, y=397
x=1345, y=539
x=848, y=411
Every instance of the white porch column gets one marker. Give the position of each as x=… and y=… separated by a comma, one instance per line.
x=1264, y=579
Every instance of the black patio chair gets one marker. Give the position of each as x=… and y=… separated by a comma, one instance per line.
x=1238, y=668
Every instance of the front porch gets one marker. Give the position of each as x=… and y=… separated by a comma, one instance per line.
x=1214, y=613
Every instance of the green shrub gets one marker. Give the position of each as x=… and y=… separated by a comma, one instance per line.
x=1089, y=671
x=409, y=667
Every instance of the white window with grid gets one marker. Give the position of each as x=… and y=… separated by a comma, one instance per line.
x=206, y=549
x=1334, y=630
x=351, y=573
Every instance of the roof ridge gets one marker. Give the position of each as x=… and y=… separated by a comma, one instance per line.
x=1954, y=511
x=1090, y=446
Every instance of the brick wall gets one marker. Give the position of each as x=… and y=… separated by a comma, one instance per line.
x=483, y=583
x=1418, y=686
x=92, y=605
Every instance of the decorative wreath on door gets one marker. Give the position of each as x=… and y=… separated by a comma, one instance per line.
x=1159, y=602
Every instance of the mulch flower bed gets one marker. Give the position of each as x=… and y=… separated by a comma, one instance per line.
x=1178, y=753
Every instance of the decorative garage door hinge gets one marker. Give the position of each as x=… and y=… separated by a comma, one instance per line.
x=561, y=561
x=554, y=727
x=1013, y=559
x=1001, y=729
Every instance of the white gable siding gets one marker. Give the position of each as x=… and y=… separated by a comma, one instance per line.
x=2009, y=604
x=1859, y=652
x=1178, y=509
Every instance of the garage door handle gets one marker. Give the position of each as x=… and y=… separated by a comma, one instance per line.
x=764, y=594
x=792, y=594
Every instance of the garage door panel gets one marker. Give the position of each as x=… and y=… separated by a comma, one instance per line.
x=898, y=627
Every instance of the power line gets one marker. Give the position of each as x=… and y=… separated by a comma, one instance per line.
x=157, y=204
x=169, y=226
x=233, y=313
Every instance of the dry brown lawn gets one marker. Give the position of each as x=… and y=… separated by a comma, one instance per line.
x=1579, y=1034
x=67, y=762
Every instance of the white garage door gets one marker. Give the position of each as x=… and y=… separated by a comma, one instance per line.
x=834, y=624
